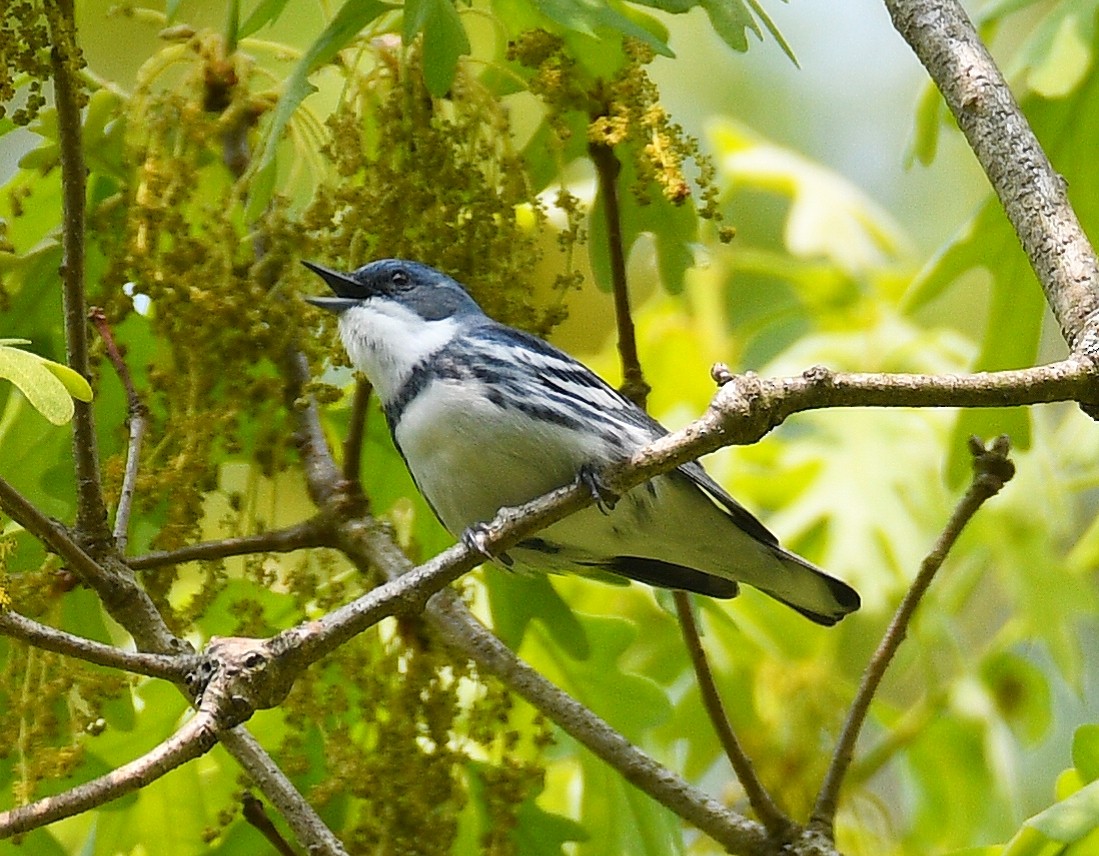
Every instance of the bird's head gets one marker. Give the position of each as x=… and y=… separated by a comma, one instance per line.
x=394, y=314
x=421, y=290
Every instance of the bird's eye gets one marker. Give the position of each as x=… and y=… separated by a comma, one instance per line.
x=399, y=278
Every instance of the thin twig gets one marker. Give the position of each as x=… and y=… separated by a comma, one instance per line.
x=138, y=416
x=771, y=816
x=126, y=601
x=253, y=811
x=607, y=168
x=992, y=469
x=636, y=388
x=300, y=536
x=166, y=666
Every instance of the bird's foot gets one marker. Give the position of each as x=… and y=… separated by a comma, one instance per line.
x=475, y=538
x=605, y=498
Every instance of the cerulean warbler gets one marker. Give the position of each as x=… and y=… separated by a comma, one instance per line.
x=487, y=416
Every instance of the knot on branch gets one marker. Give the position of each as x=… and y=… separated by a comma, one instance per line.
x=238, y=676
x=746, y=406
x=721, y=373
x=819, y=376
x=992, y=466
x=1086, y=350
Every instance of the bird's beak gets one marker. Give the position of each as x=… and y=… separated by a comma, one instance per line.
x=333, y=304
x=339, y=283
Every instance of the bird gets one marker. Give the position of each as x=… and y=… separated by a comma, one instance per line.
x=487, y=416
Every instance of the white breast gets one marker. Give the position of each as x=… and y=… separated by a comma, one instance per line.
x=470, y=457
x=385, y=341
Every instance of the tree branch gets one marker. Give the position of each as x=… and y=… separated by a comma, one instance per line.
x=747, y=406
x=353, y=442
x=637, y=389
x=607, y=168
x=166, y=666
x=1032, y=193
x=91, y=515
x=464, y=633
x=309, y=828
x=196, y=737
x=314, y=532
x=744, y=409
x=138, y=419
x=992, y=469
x=372, y=546
x=778, y=825
x=123, y=598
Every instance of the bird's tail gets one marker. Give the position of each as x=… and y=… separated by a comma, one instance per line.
x=803, y=586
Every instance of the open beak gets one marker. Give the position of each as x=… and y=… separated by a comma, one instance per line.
x=340, y=283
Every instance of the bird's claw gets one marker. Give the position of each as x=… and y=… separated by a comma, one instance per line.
x=605, y=498
x=475, y=538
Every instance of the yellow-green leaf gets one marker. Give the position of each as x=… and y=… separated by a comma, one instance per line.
x=48, y=386
x=74, y=382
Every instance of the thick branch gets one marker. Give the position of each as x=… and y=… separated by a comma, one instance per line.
x=747, y=407
x=91, y=519
x=1032, y=193
x=992, y=469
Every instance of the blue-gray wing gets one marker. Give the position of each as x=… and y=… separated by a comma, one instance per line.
x=571, y=384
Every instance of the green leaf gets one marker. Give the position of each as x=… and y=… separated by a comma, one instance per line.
x=828, y=216
x=264, y=13
x=631, y=702
x=349, y=21
x=50, y=387
x=171, y=9
x=930, y=110
x=1085, y=751
x=445, y=40
x=1021, y=692
x=731, y=20
x=516, y=600
x=592, y=17
x=77, y=386
x=1065, y=822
